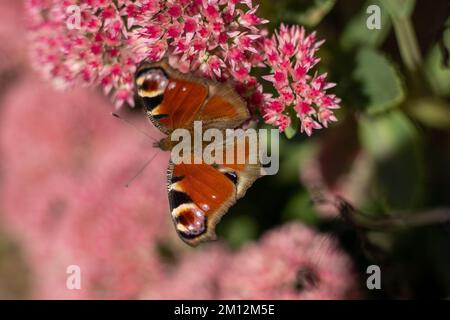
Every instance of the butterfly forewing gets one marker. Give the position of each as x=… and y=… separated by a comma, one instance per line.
x=174, y=100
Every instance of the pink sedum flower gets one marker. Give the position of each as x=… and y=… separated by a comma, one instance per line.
x=291, y=262
x=111, y=37
x=194, y=277
x=102, y=42
x=273, y=114
x=290, y=54
x=12, y=51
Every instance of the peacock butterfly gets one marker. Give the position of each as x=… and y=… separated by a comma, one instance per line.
x=199, y=193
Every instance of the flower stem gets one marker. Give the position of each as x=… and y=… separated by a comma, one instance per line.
x=407, y=42
x=406, y=37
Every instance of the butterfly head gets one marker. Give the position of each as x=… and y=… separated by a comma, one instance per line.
x=164, y=144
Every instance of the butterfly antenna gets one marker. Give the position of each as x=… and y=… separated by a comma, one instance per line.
x=133, y=126
x=141, y=170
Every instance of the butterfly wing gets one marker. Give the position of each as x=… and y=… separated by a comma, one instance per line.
x=223, y=109
x=200, y=194
x=174, y=100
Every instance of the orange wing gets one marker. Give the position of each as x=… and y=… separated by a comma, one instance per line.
x=200, y=194
x=174, y=100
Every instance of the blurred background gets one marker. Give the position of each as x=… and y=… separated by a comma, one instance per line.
x=373, y=189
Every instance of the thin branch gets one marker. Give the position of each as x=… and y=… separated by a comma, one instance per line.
x=396, y=221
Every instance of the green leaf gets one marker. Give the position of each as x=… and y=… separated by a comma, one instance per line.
x=294, y=154
x=300, y=207
x=312, y=15
x=357, y=34
x=432, y=112
x=394, y=144
x=308, y=13
x=292, y=130
x=380, y=81
x=240, y=230
x=399, y=8
x=438, y=75
x=14, y=273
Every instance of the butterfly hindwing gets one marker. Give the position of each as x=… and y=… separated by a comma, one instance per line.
x=200, y=194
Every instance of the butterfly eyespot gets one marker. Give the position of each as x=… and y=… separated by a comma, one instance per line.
x=152, y=82
x=191, y=222
x=232, y=176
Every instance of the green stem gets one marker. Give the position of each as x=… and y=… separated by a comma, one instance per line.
x=409, y=48
x=406, y=37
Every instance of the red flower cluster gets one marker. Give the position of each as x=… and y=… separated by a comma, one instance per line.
x=291, y=56
x=101, y=42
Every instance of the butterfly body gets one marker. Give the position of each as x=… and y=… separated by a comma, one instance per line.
x=199, y=193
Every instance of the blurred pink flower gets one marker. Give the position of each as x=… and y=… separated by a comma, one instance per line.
x=12, y=51
x=63, y=194
x=194, y=277
x=352, y=185
x=337, y=168
x=291, y=262
x=291, y=55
